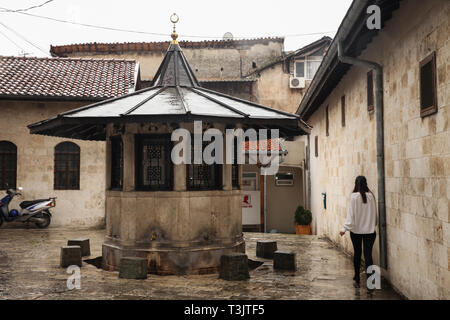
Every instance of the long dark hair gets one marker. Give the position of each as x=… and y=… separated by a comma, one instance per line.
x=361, y=187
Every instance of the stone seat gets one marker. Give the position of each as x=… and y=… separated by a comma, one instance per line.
x=234, y=266
x=84, y=245
x=70, y=255
x=266, y=248
x=284, y=260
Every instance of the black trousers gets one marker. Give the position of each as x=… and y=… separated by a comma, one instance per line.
x=358, y=241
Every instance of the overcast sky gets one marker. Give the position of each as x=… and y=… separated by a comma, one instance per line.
x=199, y=20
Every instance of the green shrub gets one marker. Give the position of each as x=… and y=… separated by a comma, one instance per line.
x=303, y=216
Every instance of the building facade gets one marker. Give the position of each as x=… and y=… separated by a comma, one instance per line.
x=256, y=70
x=413, y=49
x=33, y=89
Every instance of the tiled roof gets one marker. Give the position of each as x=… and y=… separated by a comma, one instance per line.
x=263, y=145
x=69, y=78
x=63, y=50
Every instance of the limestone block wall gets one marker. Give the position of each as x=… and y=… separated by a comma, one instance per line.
x=35, y=164
x=343, y=155
x=212, y=64
x=207, y=63
x=417, y=151
x=181, y=219
x=272, y=89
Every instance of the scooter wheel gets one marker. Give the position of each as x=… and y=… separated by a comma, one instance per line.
x=46, y=223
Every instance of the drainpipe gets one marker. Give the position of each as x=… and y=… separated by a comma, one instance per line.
x=308, y=160
x=265, y=204
x=378, y=88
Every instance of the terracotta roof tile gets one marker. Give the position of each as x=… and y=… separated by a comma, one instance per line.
x=63, y=50
x=63, y=77
x=263, y=145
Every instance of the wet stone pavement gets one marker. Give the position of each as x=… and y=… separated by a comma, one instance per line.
x=29, y=269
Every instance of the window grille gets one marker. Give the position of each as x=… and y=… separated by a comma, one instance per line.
x=203, y=176
x=154, y=166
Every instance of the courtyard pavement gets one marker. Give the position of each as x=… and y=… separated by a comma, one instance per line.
x=29, y=269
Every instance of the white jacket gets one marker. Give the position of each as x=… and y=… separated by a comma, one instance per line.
x=362, y=218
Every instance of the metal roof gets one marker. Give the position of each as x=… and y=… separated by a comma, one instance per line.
x=176, y=96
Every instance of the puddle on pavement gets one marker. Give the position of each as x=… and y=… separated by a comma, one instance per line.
x=97, y=262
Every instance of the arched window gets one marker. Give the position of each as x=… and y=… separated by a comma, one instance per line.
x=67, y=166
x=8, y=165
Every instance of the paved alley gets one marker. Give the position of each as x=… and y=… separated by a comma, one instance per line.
x=29, y=269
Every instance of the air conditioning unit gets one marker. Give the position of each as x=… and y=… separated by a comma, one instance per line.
x=296, y=82
x=284, y=179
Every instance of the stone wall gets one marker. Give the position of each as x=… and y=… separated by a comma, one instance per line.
x=180, y=231
x=35, y=164
x=272, y=89
x=207, y=63
x=417, y=151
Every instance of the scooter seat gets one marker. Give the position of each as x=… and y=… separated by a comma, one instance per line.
x=26, y=204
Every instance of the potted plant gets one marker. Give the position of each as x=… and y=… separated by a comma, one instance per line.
x=303, y=219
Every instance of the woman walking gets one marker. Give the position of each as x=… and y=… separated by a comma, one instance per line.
x=361, y=222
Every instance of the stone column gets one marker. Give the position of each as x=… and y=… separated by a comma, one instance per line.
x=227, y=177
x=180, y=171
x=128, y=160
x=226, y=168
x=179, y=177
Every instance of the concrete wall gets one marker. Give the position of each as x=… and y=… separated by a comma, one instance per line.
x=282, y=201
x=35, y=164
x=417, y=151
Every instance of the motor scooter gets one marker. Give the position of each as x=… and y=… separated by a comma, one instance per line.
x=35, y=211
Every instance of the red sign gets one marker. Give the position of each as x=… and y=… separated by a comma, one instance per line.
x=247, y=201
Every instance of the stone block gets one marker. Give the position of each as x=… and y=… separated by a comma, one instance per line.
x=265, y=249
x=284, y=260
x=84, y=245
x=133, y=268
x=234, y=266
x=70, y=255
